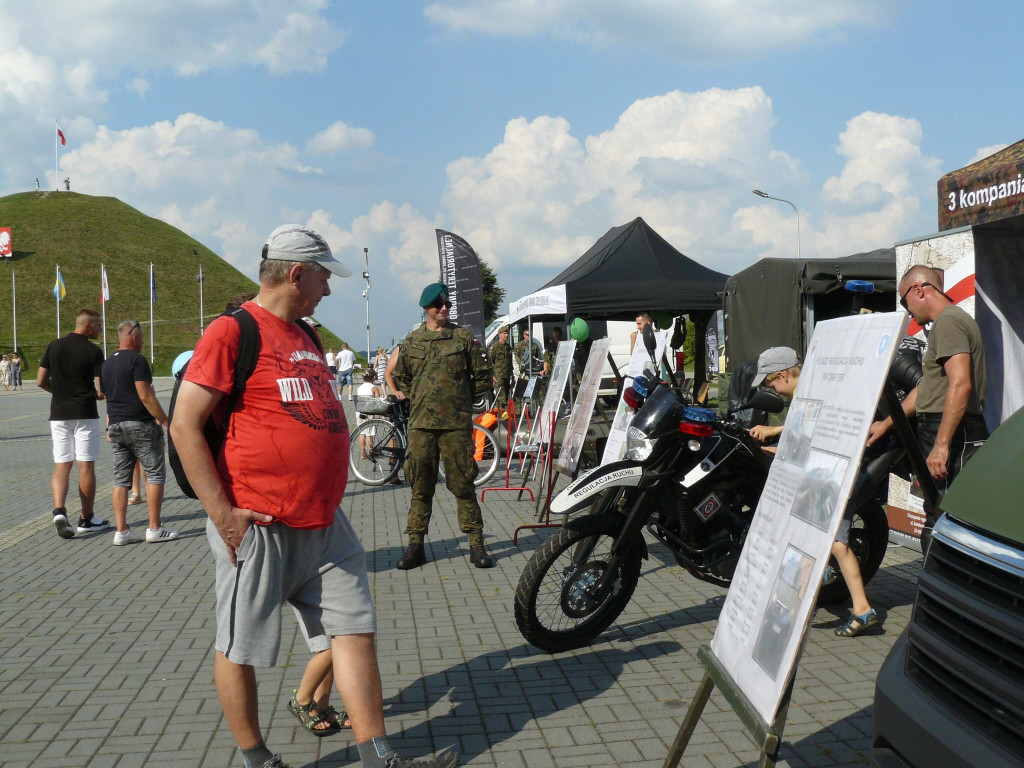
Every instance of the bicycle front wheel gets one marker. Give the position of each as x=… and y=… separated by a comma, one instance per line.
x=376, y=452
x=485, y=453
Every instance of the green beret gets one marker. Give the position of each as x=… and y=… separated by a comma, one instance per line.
x=432, y=293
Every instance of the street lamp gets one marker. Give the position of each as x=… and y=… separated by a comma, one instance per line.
x=765, y=195
x=199, y=280
x=366, y=295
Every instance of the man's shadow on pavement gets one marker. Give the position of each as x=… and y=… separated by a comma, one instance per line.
x=491, y=699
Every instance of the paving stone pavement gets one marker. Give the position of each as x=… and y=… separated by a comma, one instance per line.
x=106, y=654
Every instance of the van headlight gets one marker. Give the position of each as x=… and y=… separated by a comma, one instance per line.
x=638, y=446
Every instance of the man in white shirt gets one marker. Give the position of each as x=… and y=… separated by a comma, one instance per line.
x=346, y=362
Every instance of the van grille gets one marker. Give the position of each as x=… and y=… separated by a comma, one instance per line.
x=967, y=641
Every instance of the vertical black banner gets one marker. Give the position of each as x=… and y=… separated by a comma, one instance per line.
x=460, y=271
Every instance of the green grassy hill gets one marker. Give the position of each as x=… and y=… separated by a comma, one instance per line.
x=80, y=233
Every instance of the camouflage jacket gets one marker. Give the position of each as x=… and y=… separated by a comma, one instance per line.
x=523, y=356
x=501, y=360
x=442, y=373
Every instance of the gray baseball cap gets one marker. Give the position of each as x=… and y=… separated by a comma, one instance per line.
x=290, y=242
x=773, y=360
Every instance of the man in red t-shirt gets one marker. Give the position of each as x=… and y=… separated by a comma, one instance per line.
x=272, y=497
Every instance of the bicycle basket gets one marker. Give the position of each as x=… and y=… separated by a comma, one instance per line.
x=373, y=406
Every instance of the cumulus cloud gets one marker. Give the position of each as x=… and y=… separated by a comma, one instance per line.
x=340, y=137
x=681, y=160
x=189, y=36
x=885, y=186
x=699, y=28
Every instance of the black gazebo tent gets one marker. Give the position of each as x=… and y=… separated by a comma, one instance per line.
x=633, y=269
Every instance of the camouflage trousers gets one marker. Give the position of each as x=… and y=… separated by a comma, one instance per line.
x=455, y=448
x=503, y=391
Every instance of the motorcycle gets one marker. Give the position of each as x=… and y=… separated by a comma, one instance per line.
x=693, y=479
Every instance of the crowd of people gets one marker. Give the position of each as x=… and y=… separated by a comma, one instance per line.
x=270, y=503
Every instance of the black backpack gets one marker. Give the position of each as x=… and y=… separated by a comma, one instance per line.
x=245, y=364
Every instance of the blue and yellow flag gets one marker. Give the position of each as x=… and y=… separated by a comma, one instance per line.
x=58, y=287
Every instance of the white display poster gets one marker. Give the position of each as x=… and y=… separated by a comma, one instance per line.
x=557, y=376
x=616, y=444
x=761, y=628
x=579, y=421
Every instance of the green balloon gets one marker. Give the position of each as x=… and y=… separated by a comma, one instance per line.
x=663, y=319
x=578, y=329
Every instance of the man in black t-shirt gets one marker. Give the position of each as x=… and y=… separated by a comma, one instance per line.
x=135, y=428
x=70, y=371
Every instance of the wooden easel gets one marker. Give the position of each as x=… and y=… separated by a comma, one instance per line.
x=766, y=736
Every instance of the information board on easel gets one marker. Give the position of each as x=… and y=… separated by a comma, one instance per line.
x=616, y=444
x=586, y=398
x=558, y=376
x=754, y=652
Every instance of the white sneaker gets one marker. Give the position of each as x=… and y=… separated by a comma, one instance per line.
x=160, y=534
x=92, y=525
x=60, y=522
x=126, y=537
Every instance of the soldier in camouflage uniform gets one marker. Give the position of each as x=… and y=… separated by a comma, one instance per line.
x=501, y=360
x=526, y=353
x=443, y=371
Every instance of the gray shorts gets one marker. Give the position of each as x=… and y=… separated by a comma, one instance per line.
x=321, y=572
x=142, y=440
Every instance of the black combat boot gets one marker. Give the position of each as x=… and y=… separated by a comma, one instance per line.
x=414, y=557
x=478, y=555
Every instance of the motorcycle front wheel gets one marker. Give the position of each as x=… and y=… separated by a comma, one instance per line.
x=869, y=538
x=556, y=607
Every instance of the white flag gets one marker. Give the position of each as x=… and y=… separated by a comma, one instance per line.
x=105, y=296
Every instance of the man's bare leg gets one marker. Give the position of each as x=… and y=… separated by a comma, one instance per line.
x=357, y=677
x=154, y=501
x=60, y=480
x=236, y=689
x=87, y=486
x=119, y=498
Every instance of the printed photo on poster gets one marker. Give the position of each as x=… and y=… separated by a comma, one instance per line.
x=781, y=616
x=818, y=497
x=795, y=442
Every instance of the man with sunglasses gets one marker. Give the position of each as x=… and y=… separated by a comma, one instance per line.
x=951, y=395
x=135, y=429
x=444, y=372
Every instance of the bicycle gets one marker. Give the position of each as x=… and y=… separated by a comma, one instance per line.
x=378, y=445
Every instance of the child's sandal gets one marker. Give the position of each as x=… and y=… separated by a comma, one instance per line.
x=857, y=624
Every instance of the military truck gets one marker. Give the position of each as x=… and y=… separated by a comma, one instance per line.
x=951, y=691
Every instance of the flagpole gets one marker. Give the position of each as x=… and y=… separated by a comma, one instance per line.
x=56, y=182
x=103, y=306
x=152, y=356
x=14, y=302
x=56, y=294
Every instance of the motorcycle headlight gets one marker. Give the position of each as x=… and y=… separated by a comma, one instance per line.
x=638, y=445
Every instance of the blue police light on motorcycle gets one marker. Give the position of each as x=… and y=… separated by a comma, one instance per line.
x=642, y=386
x=699, y=415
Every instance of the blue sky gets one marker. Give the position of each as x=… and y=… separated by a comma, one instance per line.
x=529, y=128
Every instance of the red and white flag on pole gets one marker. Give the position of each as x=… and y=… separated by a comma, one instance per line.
x=60, y=135
x=105, y=295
